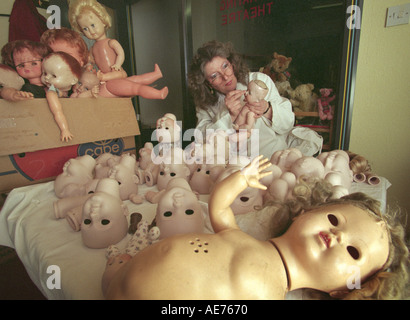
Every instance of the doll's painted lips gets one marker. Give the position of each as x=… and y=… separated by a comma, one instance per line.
x=325, y=238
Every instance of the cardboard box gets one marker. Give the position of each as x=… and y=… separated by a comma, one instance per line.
x=30, y=147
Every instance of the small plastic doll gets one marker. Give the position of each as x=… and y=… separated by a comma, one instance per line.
x=60, y=73
x=318, y=250
x=91, y=19
x=257, y=91
x=26, y=57
x=10, y=85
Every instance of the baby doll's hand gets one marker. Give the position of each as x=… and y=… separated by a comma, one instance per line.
x=95, y=91
x=253, y=172
x=100, y=75
x=66, y=135
x=23, y=95
x=116, y=67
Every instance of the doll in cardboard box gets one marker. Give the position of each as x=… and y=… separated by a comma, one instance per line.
x=92, y=20
x=320, y=245
x=26, y=57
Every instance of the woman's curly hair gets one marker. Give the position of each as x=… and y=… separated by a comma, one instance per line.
x=391, y=282
x=198, y=85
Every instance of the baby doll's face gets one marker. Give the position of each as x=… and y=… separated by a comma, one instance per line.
x=333, y=242
x=28, y=64
x=92, y=26
x=58, y=73
x=178, y=211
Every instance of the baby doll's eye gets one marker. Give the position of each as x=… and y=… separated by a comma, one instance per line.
x=333, y=220
x=189, y=212
x=354, y=253
x=168, y=214
x=173, y=174
x=87, y=221
x=105, y=222
x=207, y=172
x=198, y=170
x=162, y=173
x=166, y=128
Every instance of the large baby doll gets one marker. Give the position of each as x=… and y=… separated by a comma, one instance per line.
x=92, y=20
x=319, y=250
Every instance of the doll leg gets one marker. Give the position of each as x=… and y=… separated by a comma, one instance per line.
x=147, y=78
x=126, y=88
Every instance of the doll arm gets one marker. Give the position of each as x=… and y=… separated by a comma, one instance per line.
x=57, y=110
x=227, y=190
x=11, y=94
x=116, y=46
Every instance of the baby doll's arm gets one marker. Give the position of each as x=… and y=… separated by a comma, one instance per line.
x=227, y=190
x=11, y=94
x=57, y=110
x=116, y=46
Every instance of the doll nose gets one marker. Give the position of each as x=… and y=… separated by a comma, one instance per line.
x=338, y=235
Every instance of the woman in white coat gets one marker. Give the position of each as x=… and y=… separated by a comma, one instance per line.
x=218, y=81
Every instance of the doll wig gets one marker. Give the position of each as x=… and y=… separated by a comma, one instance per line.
x=69, y=36
x=78, y=7
x=73, y=64
x=37, y=48
x=202, y=93
x=391, y=282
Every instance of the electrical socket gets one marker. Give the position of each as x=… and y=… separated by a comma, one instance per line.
x=398, y=15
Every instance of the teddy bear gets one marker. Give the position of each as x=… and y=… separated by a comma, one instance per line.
x=323, y=104
x=303, y=98
x=277, y=70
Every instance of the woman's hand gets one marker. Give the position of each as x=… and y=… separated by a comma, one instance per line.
x=233, y=102
x=259, y=108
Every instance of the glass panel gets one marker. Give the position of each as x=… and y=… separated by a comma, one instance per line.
x=311, y=32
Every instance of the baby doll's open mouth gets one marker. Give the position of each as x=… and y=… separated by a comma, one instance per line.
x=325, y=238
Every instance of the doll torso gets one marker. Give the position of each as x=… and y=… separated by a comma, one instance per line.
x=104, y=55
x=226, y=265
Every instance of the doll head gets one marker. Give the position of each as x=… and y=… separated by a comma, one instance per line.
x=9, y=78
x=61, y=70
x=68, y=41
x=76, y=173
x=85, y=13
x=170, y=171
x=344, y=239
x=178, y=210
x=284, y=159
x=87, y=81
x=104, y=220
x=25, y=56
x=168, y=131
x=124, y=173
x=257, y=91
